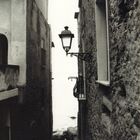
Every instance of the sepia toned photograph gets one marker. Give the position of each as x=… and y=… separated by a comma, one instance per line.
x=69, y=70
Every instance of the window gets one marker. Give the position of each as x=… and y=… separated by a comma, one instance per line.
x=102, y=41
x=43, y=43
x=3, y=49
x=43, y=57
x=43, y=52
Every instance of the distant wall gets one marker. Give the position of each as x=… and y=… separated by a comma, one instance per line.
x=43, y=6
x=38, y=49
x=38, y=90
x=13, y=26
x=32, y=117
x=17, y=47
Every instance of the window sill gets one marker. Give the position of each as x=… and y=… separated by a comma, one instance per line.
x=104, y=83
x=82, y=99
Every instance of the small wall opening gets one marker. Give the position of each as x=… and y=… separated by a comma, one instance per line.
x=3, y=49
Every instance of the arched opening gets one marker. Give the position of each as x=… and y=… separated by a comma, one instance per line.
x=3, y=49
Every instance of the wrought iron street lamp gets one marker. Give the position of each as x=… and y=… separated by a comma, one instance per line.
x=66, y=39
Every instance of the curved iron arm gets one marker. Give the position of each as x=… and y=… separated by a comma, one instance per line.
x=83, y=56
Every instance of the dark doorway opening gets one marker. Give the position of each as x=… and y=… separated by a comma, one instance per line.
x=3, y=49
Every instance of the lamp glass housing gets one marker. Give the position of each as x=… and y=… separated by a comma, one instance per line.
x=66, y=39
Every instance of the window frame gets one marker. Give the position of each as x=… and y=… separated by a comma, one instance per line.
x=98, y=11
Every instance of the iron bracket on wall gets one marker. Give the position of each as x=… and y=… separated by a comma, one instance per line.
x=81, y=56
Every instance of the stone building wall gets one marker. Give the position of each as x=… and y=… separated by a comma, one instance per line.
x=93, y=126
x=113, y=111
x=43, y=6
x=13, y=27
x=32, y=117
x=125, y=68
x=38, y=90
x=25, y=34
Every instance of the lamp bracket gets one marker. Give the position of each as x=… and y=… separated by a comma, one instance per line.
x=72, y=77
x=82, y=56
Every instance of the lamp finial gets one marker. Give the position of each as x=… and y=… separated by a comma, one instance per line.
x=66, y=27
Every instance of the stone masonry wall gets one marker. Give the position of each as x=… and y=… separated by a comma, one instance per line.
x=39, y=68
x=123, y=122
x=125, y=68
x=94, y=128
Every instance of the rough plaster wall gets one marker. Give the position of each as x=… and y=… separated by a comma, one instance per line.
x=5, y=8
x=38, y=75
x=32, y=119
x=13, y=26
x=5, y=14
x=43, y=6
x=17, y=45
x=33, y=50
x=38, y=30
x=125, y=68
x=124, y=29
x=94, y=128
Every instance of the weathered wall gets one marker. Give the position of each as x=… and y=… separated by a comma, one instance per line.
x=13, y=26
x=17, y=45
x=32, y=118
x=125, y=68
x=28, y=34
x=43, y=6
x=38, y=89
x=122, y=123
x=5, y=9
x=4, y=120
x=38, y=51
x=93, y=126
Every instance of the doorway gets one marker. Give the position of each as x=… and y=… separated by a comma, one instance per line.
x=3, y=49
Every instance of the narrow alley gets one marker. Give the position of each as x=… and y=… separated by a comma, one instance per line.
x=69, y=70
